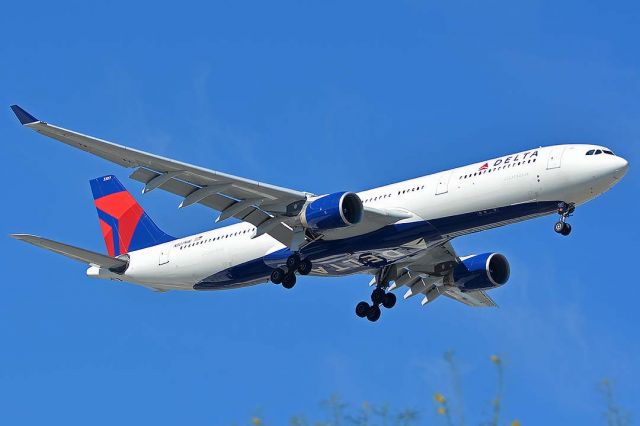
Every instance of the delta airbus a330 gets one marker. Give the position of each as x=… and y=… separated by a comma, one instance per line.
x=400, y=233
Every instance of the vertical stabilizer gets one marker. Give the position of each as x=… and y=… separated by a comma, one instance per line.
x=125, y=225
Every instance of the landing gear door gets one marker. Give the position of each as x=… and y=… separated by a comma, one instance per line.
x=164, y=254
x=555, y=157
x=443, y=182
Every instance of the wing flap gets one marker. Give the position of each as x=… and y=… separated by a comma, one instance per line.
x=183, y=189
x=476, y=298
x=217, y=201
x=76, y=253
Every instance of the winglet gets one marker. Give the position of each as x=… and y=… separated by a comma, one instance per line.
x=23, y=116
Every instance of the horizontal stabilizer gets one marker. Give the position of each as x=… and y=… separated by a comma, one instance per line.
x=82, y=255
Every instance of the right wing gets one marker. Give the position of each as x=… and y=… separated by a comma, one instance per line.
x=86, y=256
x=475, y=298
x=264, y=206
x=428, y=276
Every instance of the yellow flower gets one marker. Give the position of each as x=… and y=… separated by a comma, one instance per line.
x=495, y=359
x=439, y=397
x=515, y=423
x=256, y=421
x=442, y=410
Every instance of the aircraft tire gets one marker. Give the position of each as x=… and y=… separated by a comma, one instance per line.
x=374, y=314
x=389, y=300
x=377, y=296
x=277, y=275
x=289, y=281
x=362, y=309
x=293, y=261
x=559, y=227
x=304, y=268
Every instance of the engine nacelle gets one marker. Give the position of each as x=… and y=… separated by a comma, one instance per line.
x=482, y=271
x=332, y=211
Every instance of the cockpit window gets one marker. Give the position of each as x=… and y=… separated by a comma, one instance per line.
x=598, y=152
x=591, y=151
x=606, y=151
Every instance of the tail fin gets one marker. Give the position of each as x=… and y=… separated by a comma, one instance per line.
x=125, y=226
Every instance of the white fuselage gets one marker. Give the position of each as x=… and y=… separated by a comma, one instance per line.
x=457, y=202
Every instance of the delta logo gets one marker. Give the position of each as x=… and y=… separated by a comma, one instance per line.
x=523, y=156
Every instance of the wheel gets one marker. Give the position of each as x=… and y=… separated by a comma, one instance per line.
x=389, y=300
x=567, y=229
x=277, y=275
x=362, y=309
x=374, y=314
x=305, y=267
x=293, y=261
x=289, y=281
x=377, y=297
x=559, y=227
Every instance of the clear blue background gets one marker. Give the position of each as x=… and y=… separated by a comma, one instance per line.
x=318, y=97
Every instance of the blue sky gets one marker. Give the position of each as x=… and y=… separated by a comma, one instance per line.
x=318, y=97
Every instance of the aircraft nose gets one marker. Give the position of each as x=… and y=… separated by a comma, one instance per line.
x=621, y=167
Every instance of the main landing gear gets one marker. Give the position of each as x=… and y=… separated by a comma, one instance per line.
x=378, y=297
x=564, y=210
x=288, y=277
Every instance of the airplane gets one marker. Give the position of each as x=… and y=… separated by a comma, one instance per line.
x=400, y=234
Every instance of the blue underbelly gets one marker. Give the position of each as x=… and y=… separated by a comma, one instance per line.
x=387, y=245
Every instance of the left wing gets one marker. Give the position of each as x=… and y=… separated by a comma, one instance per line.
x=264, y=206
x=429, y=276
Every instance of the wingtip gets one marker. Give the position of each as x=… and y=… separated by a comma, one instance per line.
x=20, y=236
x=23, y=116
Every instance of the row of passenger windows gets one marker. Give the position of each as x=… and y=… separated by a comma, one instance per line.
x=495, y=169
x=599, y=151
x=384, y=196
x=209, y=240
x=379, y=197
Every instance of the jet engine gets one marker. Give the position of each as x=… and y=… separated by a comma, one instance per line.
x=332, y=211
x=482, y=271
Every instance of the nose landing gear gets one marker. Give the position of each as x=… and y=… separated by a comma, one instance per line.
x=564, y=210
